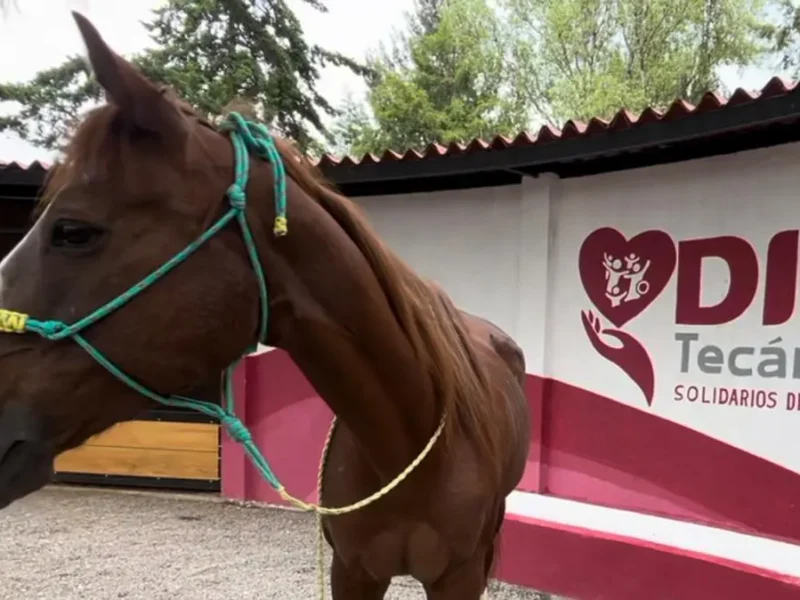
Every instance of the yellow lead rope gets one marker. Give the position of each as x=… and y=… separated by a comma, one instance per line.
x=322, y=510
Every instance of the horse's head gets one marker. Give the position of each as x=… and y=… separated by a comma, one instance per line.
x=140, y=179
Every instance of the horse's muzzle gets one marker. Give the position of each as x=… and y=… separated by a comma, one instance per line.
x=26, y=461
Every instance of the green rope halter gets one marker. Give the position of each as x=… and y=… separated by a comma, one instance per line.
x=246, y=137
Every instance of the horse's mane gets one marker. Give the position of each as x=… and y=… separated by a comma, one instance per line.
x=431, y=322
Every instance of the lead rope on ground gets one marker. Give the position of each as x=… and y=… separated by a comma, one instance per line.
x=246, y=136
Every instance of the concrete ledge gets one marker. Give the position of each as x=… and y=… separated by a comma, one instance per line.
x=592, y=565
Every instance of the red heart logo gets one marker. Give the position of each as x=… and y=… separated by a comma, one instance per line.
x=623, y=277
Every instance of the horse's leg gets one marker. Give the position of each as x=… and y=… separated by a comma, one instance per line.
x=492, y=552
x=491, y=555
x=354, y=583
x=466, y=581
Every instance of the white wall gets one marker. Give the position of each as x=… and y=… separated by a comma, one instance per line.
x=510, y=254
x=468, y=241
x=751, y=195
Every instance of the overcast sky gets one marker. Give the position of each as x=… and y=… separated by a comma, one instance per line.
x=41, y=33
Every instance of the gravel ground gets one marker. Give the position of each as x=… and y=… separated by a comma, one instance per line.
x=86, y=544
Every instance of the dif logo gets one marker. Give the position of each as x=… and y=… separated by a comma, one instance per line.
x=623, y=277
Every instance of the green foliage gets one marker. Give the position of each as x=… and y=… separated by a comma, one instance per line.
x=469, y=69
x=446, y=80
x=783, y=35
x=211, y=52
x=585, y=58
x=50, y=102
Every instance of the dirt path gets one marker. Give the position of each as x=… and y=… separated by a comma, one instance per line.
x=73, y=543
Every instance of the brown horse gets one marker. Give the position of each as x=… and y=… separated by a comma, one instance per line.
x=141, y=178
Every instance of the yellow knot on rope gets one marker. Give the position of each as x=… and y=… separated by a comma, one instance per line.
x=281, y=226
x=12, y=322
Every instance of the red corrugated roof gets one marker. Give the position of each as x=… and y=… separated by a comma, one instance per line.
x=16, y=166
x=622, y=120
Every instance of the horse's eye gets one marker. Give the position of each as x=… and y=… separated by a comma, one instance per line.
x=74, y=234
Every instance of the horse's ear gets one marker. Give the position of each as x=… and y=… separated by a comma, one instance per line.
x=140, y=101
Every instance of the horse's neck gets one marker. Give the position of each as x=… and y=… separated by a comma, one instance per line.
x=330, y=314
